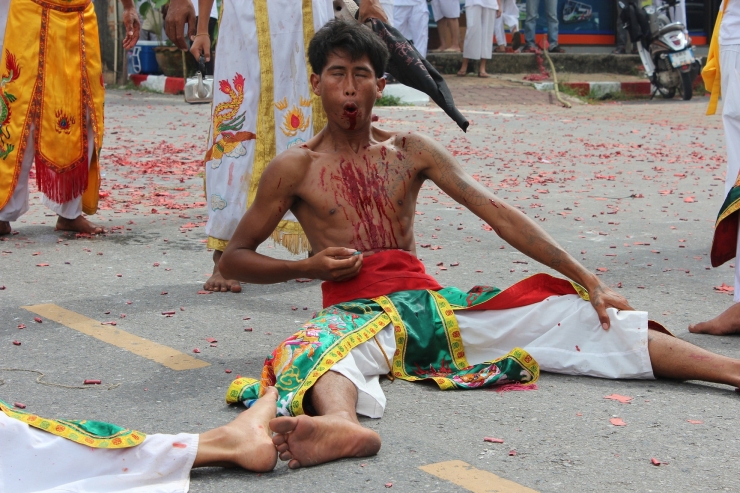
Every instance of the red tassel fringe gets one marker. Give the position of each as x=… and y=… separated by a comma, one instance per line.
x=61, y=187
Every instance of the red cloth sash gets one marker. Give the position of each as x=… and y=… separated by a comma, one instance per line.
x=382, y=273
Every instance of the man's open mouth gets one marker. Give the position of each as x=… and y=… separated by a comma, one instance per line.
x=350, y=108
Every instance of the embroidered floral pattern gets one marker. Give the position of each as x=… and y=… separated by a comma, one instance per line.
x=12, y=72
x=64, y=122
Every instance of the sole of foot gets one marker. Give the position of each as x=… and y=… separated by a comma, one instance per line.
x=311, y=440
x=79, y=225
x=726, y=323
x=5, y=228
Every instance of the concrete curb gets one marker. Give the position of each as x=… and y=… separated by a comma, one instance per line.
x=159, y=83
x=597, y=89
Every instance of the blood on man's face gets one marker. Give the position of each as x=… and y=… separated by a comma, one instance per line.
x=348, y=90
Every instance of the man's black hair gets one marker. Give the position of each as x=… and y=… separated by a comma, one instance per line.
x=350, y=37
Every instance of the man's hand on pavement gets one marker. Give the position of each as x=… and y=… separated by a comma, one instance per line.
x=334, y=264
x=603, y=297
x=179, y=13
x=133, y=27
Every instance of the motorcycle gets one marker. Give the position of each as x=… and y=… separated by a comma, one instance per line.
x=664, y=47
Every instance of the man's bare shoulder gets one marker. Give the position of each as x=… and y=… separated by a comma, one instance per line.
x=290, y=164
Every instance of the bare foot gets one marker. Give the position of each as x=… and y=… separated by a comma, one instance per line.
x=217, y=282
x=311, y=440
x=5, y=228
x=79, y=225
x=727, y=322
x=245, y=442
x=483, y=75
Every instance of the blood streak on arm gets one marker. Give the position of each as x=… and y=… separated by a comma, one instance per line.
x=279, y=182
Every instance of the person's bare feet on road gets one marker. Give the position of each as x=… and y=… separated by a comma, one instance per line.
x=217, y=282
x=245, y=442
x=79, y=225
x=311, y=440
x=727, y=322
x=5, y=228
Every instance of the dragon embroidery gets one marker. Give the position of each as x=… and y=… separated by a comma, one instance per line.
x=6, y=98
x=228, y=122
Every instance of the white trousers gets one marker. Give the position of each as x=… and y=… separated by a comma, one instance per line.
x=18, y=203
x=499, y=32
x=562, y=333
x=479, y=33
x=388, y=9
x=729, y=59
x=447, y=9
x=34, y=461
x=413, y=22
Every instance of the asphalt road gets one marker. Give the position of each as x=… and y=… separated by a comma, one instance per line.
x=629, y=188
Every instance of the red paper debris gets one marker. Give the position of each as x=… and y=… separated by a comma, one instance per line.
x=19, y=405
x=16, y=343
x=724, y=288
x=196, y=350
x=211, y=340
x=617, y=422
x=602, y=269
x=42, y=265
x=204, y=292
x=38, y=320
x=655, y=461
x=21, y=326
x=493, y=440
x=248, y=329
x=512, y=452
x=388, y=485
x=227, y=371
x=170, y=312
x=621, y=398
x=695, y=421
x=92, y=382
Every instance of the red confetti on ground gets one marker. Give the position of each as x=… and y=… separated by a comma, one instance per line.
x=512, y=452
x=204, y=292
x=621, y=398
x=514, y=387
x=16, y=343
x=602, y=269
x=92, y=382
x=695, y=421
x=724, y=288
x=248, y=329
x=2, y=288
x=211, y=340
x=171, y=312
x=19, y=405
x=655, y=461
x=164, y=292
x=21, y=326
x=108, y=323
x=617, y=422
x=227, y=371
x=42, y=265
x=388, y=485
x=196, y=350
x=38, y=320
x=493, y=440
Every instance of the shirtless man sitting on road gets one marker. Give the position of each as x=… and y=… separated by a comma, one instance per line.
x=354, y=188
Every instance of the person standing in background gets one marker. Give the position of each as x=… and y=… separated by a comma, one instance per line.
x=481, y=16
x=530, y=25
x=447, y=16
x=411, y=18
x=509, y=18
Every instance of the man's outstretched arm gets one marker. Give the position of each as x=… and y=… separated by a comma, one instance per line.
x=275, y=196
x=510, y=224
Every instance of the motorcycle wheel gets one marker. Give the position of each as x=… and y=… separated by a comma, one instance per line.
x=667, y=93
x=687, y=86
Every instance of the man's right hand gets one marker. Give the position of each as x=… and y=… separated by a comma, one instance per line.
x=334, y=264
x=179, y=13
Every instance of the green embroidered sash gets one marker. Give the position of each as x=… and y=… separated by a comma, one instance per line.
x=428, y=346
x=95, y=434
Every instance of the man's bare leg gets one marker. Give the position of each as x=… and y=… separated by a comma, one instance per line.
x=727, y=322
x=217, y=282
x=444, y=34
x=79, y=225
x=5, y=228
x=245, y=442
x=676, y=359
x=333, y=434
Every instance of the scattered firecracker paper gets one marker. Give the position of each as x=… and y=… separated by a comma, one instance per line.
x=92, y=382
x=617, y=422
x=38, y=320
x=19, y=405
x=196, y=350
x=16, y=343
x=655, y=461
x=695, y=421
x=624, y=399
x=512, y=452
x=493, y=440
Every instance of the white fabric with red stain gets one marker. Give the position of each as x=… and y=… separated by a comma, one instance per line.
x=562, y=333
x=34, y=461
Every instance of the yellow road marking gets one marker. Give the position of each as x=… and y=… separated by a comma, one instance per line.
x=473, y=479
x=163, y=355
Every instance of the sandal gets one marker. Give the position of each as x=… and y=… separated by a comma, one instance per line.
x=484, y=75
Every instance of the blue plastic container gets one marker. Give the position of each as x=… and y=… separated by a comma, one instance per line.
x=142, y=59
